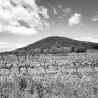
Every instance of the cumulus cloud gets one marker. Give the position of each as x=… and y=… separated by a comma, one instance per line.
x=8, y=46
x=75, y=19
x=90, y=39
x=11, y=11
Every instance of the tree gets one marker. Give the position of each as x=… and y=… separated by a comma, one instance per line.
x=54, y=50
x=72, y=48
x=22, y=52
x=80, y=49
x=64, y=49
x=37, y=51
x=32, y=52
x=46, y=51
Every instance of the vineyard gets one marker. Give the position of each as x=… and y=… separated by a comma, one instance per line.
x=74, y=75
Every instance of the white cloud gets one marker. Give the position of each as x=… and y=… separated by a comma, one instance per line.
x=22, y=31
x=54, y=11
x=95, y=18
x=44, y=12
x=11, y=11
x=67, y=10
x=75, y=19
x=8, y=46
x=47, y=25
x=90, y=39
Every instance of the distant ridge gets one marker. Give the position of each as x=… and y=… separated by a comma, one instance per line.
x=58, y=42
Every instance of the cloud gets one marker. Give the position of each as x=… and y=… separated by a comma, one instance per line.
x=12, y=11
x=8, y=46
x=75, y=19
x=47, y=25
x=90, y=39
x=22, y=30
x=65, y=13
x=43, y=11
x=67, y=10
x=54, y=11
x=95, y=18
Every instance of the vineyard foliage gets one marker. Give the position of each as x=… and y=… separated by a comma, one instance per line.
x=49, y=76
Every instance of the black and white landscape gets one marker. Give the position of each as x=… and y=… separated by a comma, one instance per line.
x=48, y=49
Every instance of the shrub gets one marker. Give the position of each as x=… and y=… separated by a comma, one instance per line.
x=54, y=50
x=72, y=48
x=37, y=51
x=64, y=49
x=80, y=49
x=46, y=51
x=34, y=52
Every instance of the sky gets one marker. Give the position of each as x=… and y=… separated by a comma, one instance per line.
x=23, y=22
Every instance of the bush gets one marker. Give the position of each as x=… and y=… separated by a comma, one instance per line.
x=80, y=49
x=72, y=48
x=34, y=52
x=64, y=49
x=37, y=51
x=54, y=50
x=46, y=51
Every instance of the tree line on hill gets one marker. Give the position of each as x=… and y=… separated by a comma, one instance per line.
x=52, y=50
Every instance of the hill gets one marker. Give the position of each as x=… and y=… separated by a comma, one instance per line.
x=56, y=41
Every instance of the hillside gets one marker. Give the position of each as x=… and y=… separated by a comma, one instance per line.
x=59, y=42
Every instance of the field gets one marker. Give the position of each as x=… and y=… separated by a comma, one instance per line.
x=74, y=75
